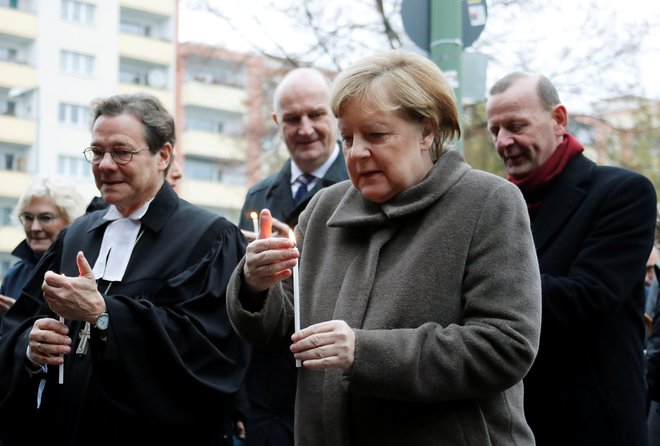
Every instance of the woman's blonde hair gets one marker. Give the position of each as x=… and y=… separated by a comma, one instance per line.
x=401, y=80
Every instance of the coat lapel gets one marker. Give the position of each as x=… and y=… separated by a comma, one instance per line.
x=353, y=299
x=336, y=173
x=566, y=196
x=280, y=192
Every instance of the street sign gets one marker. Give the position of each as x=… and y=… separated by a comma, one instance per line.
x=415, y=15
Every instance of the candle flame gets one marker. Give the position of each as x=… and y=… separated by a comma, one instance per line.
x=253, y=215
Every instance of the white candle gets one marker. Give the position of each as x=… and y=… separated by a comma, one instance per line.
x=61, y=378
x=296, y=295
x=255, y=223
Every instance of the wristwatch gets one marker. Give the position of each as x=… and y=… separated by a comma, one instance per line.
x=102, y=321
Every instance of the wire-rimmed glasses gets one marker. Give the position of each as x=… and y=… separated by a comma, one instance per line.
x=94, y=155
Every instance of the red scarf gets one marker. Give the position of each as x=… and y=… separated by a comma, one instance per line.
x=534, y=185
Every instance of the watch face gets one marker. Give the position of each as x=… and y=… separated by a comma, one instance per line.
x=102, y=321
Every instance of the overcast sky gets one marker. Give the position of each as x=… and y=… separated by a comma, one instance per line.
x=557, y=22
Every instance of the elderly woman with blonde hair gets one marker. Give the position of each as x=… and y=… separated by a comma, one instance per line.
x=44, y=208
x=419, y=288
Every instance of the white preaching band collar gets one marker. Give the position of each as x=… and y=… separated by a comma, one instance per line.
x=118, y=242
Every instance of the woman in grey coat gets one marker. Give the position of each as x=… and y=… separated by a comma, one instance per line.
x=419, y=287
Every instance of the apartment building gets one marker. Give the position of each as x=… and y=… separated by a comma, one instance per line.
x=226, y=138
x=55, y=57
x=58, y=55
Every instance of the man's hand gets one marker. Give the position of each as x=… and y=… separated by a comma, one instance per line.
x=48, y=340
x=74, y=298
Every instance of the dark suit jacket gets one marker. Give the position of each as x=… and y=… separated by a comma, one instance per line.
x=593, y=235
x=274, y=193
x=271, y=379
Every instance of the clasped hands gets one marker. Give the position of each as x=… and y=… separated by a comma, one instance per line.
x=268, y=260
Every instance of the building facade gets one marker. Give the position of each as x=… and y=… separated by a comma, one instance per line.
x=224, y=125
x=58, y=55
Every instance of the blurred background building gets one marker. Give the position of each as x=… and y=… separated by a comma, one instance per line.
x=58, y=55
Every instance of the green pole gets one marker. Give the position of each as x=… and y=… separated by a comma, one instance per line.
x=447, y=44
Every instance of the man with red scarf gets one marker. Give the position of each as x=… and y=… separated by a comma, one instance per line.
x=593, y=228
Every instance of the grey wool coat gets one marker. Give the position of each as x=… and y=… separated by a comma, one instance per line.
x=442, y=288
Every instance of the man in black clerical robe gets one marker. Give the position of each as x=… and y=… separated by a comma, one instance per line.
x=163, y=363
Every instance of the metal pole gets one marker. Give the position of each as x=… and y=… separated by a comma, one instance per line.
x=447, y=44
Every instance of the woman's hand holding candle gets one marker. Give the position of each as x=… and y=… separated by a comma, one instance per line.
x=268, y=259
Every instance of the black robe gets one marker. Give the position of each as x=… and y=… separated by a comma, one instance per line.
x=171, y=364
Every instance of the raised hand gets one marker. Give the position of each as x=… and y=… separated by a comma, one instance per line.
x=268, y=259
x=74, y=298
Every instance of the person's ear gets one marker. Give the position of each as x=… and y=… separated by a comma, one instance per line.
x=428, y=135
x=560, y=116
x=165, y=153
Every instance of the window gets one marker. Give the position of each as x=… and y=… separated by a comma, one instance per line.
x=74, y=167
x=78, y=12
x=8, y=54
x=203, y=124
x=134, y=28
x=7, y=108
x=13, y=4
x=203, y=170
x=216, y=171
x=234, y=175
x=216, y=71
x=76, y=63
x=132, y=77
x=12, y=158
x=8, y=161
x=74, y=115
x=5, y=215
x=142, y=74
x=214, y=121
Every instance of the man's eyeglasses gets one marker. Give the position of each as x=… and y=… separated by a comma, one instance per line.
x=95, y=155
x=27, y=219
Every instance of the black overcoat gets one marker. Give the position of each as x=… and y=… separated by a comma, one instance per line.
x=593, y=235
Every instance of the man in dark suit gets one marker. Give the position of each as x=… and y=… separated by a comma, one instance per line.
x=301, y=106
x=309, y=130
x=593, y=228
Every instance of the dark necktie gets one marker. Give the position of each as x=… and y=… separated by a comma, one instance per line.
x=304, y=180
